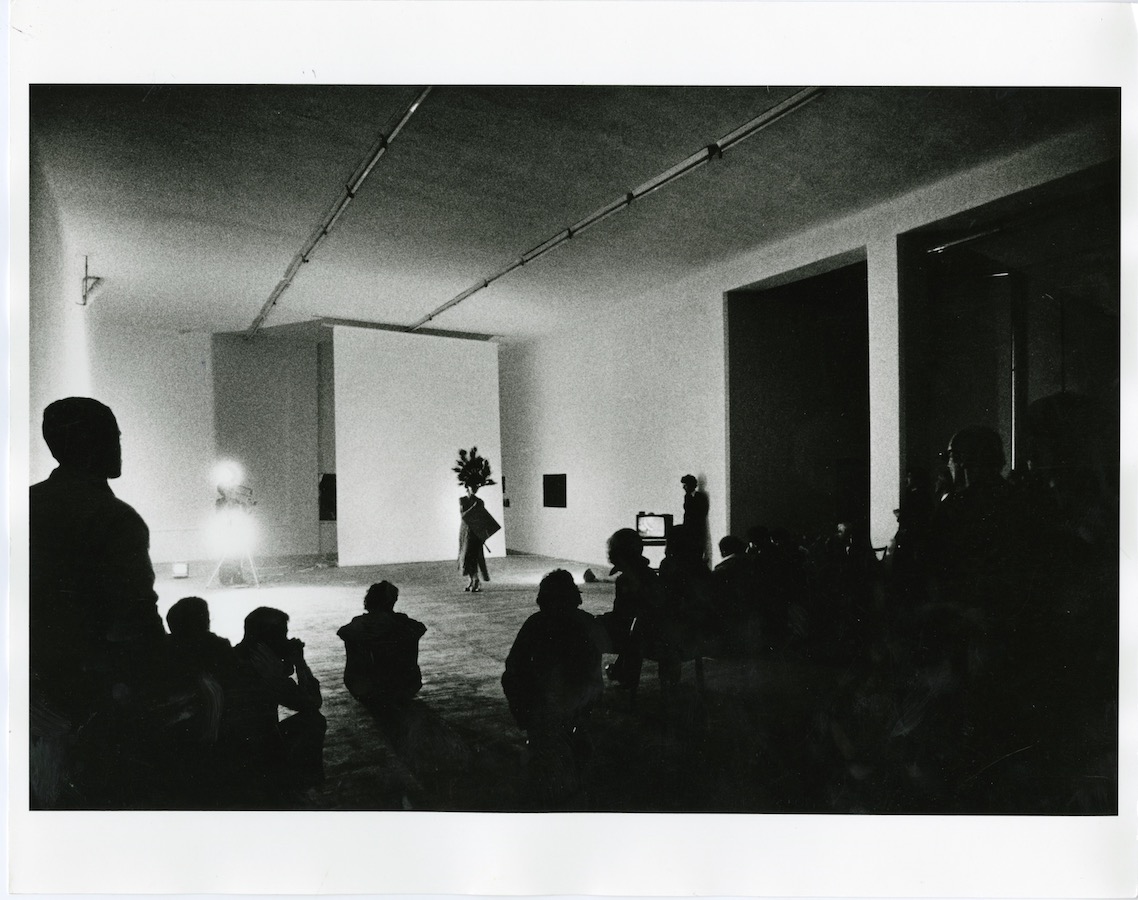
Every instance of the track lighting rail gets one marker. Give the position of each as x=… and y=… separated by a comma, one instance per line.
x=350, y=189
x=712, y=151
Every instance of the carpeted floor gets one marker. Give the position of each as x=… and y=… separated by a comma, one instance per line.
x=796, y=732
x=735, y=749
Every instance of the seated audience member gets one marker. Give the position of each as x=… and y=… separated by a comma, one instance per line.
x=735, y=588
x=732, y=574
x=208, y=660
x=552, y=681
x=758, y=542
x=275, y=760
x=382, y=648
x=992, y=625
x=771, y=592
x=689, y=587
x=788, y=580
x=193, y=645
x=908, y=549
x=638, y=624
x=97, y=645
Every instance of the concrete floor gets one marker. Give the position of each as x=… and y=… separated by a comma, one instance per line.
x=459, y=748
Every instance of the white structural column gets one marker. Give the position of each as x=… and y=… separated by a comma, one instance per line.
x=884, y=387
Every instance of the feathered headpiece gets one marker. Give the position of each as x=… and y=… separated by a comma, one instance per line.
x=473, y=470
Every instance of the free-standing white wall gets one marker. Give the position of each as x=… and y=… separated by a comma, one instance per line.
x=405, y=404
x=266, y=400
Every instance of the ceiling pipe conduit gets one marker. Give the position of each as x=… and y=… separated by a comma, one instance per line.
x=336, y=210
x=714, y=150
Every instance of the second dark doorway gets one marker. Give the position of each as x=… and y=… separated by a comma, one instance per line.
x=798, y=393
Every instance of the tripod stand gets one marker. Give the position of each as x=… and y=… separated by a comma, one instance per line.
x=236, y=526
x=241, y=562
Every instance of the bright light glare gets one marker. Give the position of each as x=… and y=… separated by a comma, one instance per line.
x=227, y=474
x=231, y=534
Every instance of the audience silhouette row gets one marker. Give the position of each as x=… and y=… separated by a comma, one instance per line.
x=976, y=659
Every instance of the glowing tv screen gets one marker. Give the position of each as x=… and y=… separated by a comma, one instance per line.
x=653, y=526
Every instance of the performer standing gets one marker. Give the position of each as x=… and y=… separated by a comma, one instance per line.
x=695, y=514
x=476, y=523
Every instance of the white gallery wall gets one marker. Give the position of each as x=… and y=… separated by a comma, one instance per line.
x=158, y=383
x=160, y=386
x=266, y=397
x=405, y=404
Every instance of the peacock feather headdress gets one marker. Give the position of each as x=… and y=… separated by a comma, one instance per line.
x=473, y=470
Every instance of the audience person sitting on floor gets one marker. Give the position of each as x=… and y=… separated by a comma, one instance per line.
x=689, y=589
x=382, y=648
x=638, y=624
x=909, y=547
x=735, y=590
x=210, y=661
x=758, y=541
x=194, y=646
x=552, y=681
x=97, y=645
x=276, y=760
x=770, y=583
x=982, y=626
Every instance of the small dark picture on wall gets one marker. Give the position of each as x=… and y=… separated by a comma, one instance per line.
x=553, y=490
x=327, y=497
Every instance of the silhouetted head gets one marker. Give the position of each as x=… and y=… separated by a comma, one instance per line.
x=381, y=596
x=1063, y=431
x=674, y=542
x=82, y=434
x=689, y=482
x=917, y=479
x=625, y=547
x=269, y=626
x=189, y=617
x=975, y=455
x=730, y=545
x=780, y=537
x=758, y=536
x=558, y=592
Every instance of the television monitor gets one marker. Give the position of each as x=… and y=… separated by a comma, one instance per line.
x=653, y=527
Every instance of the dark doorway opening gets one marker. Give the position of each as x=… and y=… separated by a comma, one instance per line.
x=1012, y=311
x=798, y=403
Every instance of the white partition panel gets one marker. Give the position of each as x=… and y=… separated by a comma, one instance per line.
x=405, y=404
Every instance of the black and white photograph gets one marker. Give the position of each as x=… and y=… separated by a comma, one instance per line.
x=470, y=467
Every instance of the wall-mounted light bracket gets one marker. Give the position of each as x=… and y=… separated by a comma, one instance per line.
x=90, y=285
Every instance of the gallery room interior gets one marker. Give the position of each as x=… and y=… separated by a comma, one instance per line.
x=798, y=295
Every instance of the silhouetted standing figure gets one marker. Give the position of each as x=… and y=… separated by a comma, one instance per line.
x=96, y=635
x=276, y=760
x=471, y=549
x=476, y=523
x=696, y=507
x=552, y=680
x=382, y=648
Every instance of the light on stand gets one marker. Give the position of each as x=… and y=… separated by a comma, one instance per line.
x=232, y=532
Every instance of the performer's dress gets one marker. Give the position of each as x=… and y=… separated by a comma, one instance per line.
x=471, y=556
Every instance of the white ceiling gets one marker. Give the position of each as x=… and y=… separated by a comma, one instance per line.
x=190, y=201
